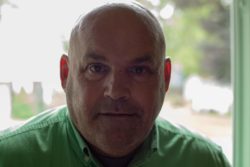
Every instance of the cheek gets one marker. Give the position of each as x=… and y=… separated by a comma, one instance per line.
x=150, y=97
x=87, y=95
x=81, y=99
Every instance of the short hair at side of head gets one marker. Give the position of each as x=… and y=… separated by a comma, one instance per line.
x=84, y=24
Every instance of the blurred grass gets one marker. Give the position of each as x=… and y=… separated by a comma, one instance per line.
x=22, y=108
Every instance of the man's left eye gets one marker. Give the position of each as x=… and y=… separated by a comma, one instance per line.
x=139, y=70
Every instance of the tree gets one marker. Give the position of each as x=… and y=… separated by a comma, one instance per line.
x=197, y=36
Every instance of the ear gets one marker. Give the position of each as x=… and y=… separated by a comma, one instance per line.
x=167, y=73
x=64, y=70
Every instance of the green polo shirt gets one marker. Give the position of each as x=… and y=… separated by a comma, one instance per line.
x=51, y=140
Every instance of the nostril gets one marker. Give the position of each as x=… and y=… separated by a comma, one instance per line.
x=117, y=94
x=116, y=88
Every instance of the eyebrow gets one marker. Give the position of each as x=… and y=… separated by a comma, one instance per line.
x=143, y=59
x=95, y=56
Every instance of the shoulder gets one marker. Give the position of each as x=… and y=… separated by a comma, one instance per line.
x=44, y=140
x=35, y=136
x=40, y=121
x=188, y=146
x=170, y=131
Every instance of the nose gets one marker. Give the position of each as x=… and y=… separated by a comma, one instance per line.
x=117, y=86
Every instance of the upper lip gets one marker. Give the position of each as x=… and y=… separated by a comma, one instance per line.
x=117, y=114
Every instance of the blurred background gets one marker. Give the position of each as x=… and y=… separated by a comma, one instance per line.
x=34, y=34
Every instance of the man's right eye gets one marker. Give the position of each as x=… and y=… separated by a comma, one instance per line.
x=96, y=71
x=97, y=68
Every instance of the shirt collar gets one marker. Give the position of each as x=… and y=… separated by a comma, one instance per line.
x=79, y=139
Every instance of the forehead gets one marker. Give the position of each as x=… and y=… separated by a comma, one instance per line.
x=116, y=33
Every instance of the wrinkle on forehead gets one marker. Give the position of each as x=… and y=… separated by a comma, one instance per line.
x=82, y=31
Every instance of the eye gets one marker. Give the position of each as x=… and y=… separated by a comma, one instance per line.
x=97, y=68
x=139, y=70
x=141, y=73
x=96, y=71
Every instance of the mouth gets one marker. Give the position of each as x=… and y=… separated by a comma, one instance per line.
x=118, y=114
x=118, y=120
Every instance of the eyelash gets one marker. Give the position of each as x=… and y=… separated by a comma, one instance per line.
x=144, y=70
x=101, y=67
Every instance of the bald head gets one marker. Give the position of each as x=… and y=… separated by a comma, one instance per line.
x=117, y=15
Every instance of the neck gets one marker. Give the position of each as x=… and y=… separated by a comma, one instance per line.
x=109, y=161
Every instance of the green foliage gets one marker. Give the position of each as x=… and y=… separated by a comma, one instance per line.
x=22, y=109
x=65, y=44
x=197, y=36
x=183, y=37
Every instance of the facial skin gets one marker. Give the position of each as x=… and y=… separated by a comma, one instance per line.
x=115, y=79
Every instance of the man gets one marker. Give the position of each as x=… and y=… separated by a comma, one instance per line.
x=115, y=77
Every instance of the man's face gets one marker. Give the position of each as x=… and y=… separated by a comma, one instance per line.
x=115, y=87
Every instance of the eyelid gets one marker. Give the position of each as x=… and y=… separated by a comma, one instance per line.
x=103, y=66
x=95, y=71
x=86, y=67
x=147, y=68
